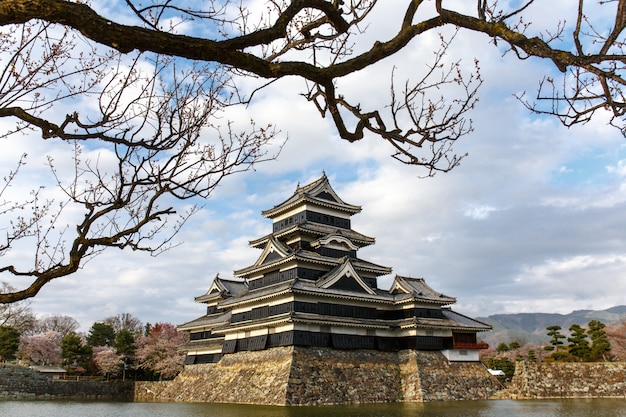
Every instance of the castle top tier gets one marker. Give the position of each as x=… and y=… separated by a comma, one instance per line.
x=311, y=237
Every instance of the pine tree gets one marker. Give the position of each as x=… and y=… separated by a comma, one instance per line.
x=556, y=343
x=74, y=352
x=502, y=347
x=101, y=334
x=9, y=342
x=600, y=346
x=578, y=343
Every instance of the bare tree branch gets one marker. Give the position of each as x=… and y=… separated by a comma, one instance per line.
x=148, y=93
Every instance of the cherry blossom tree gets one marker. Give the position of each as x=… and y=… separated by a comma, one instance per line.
x=107, y=360
x=158, y=351
x=42, y=348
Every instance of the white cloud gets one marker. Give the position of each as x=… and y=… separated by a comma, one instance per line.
x=619, y=169
x=479, y=212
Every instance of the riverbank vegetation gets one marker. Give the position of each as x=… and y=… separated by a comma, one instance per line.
x=596, y=342
x=117, y=347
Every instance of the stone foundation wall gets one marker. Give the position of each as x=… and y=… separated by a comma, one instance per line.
x=257, y=377
x=326, y=376
x=19, y=383
x=315, y=376
x=442, y=380
x=150, y=391
x=568, y=380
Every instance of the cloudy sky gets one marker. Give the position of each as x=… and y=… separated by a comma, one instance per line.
x=532, y=220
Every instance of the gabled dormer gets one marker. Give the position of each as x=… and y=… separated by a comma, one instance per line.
x=222, y=288
x=344, y=277
x=417, y=289
x=273, y=251
x=336, y=245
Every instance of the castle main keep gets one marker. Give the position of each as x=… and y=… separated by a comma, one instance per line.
x=309, y=295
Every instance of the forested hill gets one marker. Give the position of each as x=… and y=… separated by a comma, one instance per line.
x=531, y=327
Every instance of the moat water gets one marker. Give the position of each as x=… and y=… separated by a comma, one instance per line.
x=499, y=408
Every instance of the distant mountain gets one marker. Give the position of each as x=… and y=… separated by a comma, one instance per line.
x=531, y=327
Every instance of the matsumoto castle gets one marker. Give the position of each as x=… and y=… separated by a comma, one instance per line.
x=309, y=288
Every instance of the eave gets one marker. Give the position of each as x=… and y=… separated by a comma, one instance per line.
x=205, y=322
x=315, y=229
x=305, y=199
x=259, y=295
x=204, y=344
x=303, y=256
x=250, y=325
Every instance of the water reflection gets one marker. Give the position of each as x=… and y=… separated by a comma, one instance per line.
x=544, y=408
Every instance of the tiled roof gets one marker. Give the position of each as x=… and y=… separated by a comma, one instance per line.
x=344, y=270
x=305, y=255
x=221, y=288
x=319, y=230
x=259, y=293
x=201, y=344
x=234, y=287
x=207, y=320
x=417, y=288
x=318, y=192
x=465, y=320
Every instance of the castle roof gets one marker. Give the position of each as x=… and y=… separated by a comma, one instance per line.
x=206, y=321
x=319, y=193
x=465, y=321
x=222, y=288
x=333, y=285
x=267, y=263
x=410, y=288
x=317, y=229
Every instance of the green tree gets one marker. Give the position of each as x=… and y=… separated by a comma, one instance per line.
x=9, y=342
x=502, y=347
x=514, y=345
x=148, y=94
x=556, y=338
x=600, y=345
x=556, y=345
x=126, y=348
x=125, y=343
x=506, y=365
x=578, y=344
x=74, y=353
x=147, y=329
x=502, y=363
x=101, y=334
x=532, y=356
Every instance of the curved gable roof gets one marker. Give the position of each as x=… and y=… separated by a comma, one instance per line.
x=345, y=271
x=418, y=289
x=318, y=192
x=338, y=238
x=221, y=288
x=274, y=250
x=319, y=230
